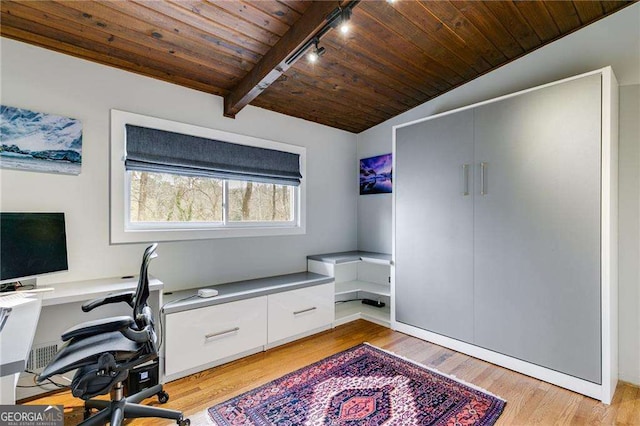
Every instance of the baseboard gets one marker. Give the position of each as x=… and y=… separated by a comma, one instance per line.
x=354, y=317
x=629, y=379
x=361, y=315
x=627, y=383
x=583, y=387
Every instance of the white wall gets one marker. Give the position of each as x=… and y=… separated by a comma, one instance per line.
x=613, y=41
x=46, y=81
x=629, y=234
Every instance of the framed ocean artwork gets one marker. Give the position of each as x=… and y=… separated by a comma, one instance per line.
x=39, y=142
x=376, y=174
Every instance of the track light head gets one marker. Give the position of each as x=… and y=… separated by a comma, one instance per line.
x=316, y=53
x=345, y=16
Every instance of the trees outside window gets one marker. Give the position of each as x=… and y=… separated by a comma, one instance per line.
x=167, y=198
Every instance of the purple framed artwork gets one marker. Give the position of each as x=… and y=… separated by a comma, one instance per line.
x=376, y=174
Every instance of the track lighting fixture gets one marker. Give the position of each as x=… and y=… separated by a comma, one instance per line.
x=338, y=18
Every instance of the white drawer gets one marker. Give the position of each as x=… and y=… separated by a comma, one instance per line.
x=200, y=336
x=298, y=311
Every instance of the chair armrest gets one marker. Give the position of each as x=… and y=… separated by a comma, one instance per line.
x=92, y=328
x=127, y=296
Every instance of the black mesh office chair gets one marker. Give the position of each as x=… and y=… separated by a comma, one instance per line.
x=103, y=351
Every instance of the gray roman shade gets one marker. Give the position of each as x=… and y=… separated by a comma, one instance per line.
x=160, y=151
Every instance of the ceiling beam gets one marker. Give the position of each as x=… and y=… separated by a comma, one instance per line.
x=273, y=64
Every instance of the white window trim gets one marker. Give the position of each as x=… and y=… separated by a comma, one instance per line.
x=121, y=233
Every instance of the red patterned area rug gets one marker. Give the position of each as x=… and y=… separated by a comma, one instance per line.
x=363, y=385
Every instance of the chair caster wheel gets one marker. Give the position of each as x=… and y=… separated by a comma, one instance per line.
x=184, y=422
x=163, y=397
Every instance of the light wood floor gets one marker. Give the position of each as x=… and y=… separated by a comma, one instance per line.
x=529, y=401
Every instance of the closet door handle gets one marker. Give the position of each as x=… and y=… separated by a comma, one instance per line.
x=483, y=189
x=465, y=179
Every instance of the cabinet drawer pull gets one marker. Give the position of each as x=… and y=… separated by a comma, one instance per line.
x=305, y=310
x=220, y=333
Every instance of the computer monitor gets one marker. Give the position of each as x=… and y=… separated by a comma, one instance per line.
x=31, y=244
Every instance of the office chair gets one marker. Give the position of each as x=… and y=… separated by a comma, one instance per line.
x=103, y=351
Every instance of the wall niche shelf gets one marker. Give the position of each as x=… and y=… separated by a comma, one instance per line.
x=358, y=275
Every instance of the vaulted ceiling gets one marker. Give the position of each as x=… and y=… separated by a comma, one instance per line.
x=396, y=56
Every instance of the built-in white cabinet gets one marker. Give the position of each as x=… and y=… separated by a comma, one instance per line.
x=505, y=231
x=199, y=337
x=244, y=318
x=358, y=275
x=294, y=313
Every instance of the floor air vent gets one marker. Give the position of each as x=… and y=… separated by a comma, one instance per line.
x=40, y=356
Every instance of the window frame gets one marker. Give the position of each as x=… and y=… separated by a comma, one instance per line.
x=122, y=231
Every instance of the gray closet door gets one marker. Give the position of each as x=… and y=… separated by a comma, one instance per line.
x=537, y=227
x=434, y=225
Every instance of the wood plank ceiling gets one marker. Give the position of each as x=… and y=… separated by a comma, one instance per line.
x=396, y=56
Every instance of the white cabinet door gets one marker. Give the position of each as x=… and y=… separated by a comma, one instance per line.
x=537, y=227
x=433, y=184
x=202, y=336
x=298, y=311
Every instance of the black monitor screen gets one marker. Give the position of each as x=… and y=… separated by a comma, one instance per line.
x=32, y=244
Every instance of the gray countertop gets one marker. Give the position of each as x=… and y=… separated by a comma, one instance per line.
x=188, y=299
x=352, y=256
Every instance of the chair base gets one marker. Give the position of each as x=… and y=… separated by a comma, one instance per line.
x=116, y=410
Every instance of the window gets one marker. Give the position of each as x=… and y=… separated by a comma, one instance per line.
x=165, y=198
x=259, y=202
x=248, y=187
x=158, y=199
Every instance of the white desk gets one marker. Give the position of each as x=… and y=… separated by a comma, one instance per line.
x=61, y=309
x=18, y=327
x=81, y=291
